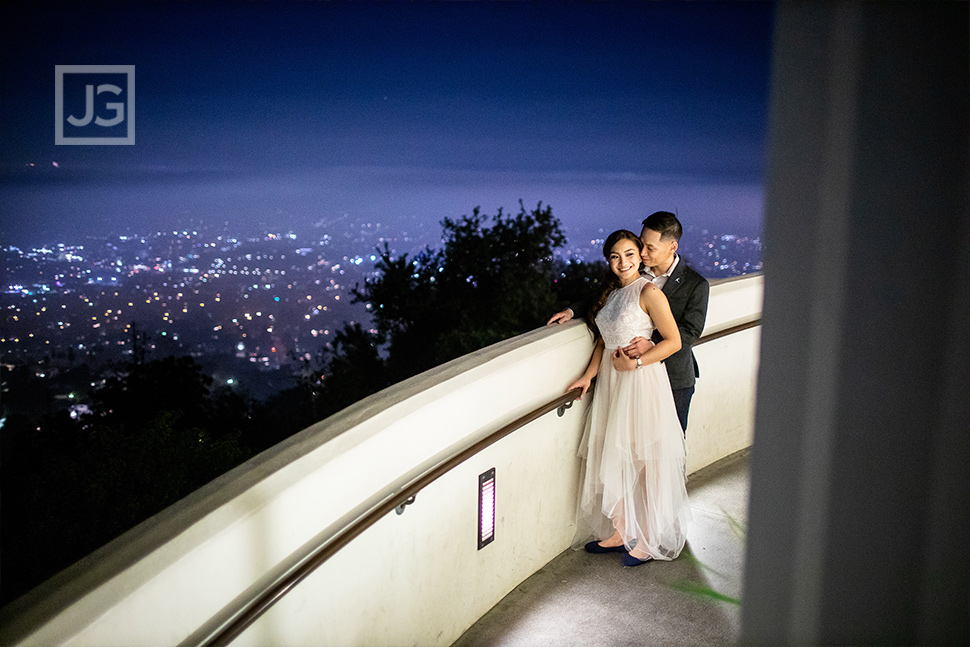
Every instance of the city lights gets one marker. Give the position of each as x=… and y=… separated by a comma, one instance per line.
x=192, y=292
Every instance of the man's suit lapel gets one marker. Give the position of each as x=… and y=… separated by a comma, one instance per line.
x=675, y=280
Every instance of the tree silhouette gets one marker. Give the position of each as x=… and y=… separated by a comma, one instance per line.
x=155, y=434
x=354, y=369
x=493, y=278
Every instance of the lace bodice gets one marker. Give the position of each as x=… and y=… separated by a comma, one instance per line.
x=622, y=318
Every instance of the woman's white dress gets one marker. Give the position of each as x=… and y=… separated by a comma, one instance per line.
x=633, y=443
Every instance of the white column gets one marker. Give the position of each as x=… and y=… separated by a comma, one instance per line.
x=860, y=490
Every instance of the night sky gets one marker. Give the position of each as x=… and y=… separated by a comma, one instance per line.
x=277, y=116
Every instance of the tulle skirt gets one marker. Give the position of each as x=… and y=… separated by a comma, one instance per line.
x=634, y=476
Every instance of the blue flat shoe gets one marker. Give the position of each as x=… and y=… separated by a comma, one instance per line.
x=594, y=547
x=630, y=560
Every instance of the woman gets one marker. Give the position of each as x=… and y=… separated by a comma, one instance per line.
x=634, y=483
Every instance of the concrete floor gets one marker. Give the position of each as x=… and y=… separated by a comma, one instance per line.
x=584, y=599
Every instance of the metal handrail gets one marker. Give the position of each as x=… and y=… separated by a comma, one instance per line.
x=246, y=615
x=728, y=331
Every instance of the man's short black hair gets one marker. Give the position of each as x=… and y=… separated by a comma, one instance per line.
x=664, y=223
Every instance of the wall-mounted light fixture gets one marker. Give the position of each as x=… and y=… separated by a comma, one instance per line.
x=486, y=508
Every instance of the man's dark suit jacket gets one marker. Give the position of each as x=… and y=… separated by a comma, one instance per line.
x=688, y=293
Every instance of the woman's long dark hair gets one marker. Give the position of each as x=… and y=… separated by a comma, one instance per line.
x=611, y=281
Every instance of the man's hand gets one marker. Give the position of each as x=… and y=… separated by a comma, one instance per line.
x=638, y=346
x=561, y=317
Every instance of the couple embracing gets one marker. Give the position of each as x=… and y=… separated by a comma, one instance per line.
x=650, y=312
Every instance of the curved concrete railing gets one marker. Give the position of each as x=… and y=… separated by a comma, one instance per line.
x=417, y=578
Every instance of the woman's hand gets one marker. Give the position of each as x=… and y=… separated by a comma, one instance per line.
x=638, y=346
x=582, y=383
x=623, y=363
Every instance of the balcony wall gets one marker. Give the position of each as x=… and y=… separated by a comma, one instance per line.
x=415, y=578
x=722, y=411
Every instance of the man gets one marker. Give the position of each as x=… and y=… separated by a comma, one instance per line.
x=687, y=292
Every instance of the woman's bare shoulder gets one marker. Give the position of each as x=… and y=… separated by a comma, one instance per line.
x=648, y=286
x=650, y=291
x=651, y=295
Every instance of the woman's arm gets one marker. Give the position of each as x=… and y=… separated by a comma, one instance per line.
x=591, y=370
x=654, y=303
